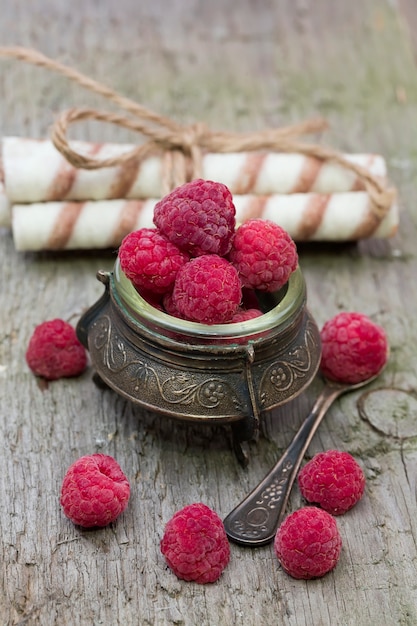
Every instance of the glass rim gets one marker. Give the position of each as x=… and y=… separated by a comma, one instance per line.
x=284, y=310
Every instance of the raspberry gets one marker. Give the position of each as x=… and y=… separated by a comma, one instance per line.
x=150, y=260
x=198, y=217
x=169, y=306
x=332, y=479
x=207, y=289
x=243, y=315
x=195, y=544
x=54, y=351
x=353, y=348
x=94, y=491
x=152, y=298
x=264, y=255
x=308, y=543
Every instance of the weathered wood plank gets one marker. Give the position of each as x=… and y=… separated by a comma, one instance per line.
x=246, y=67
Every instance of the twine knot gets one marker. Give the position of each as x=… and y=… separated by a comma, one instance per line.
x=194, y=135
x=183, y=147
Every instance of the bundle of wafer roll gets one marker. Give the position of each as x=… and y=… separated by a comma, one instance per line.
x=61, y=195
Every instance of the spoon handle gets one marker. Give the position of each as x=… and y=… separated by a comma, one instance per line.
x=255, y=520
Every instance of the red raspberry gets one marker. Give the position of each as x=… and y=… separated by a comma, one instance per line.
x=150, y=260
x=243, y=315
x=94, y=491
x=207, y=290
x=198, y=217
x=169, y=306
x=353, y=348
x=332, y=479
x=308, y=543
x=54, y=351
x=264, y=255
x=152, y=298
x=195, y=544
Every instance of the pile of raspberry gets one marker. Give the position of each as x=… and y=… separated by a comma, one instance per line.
x=195, y=263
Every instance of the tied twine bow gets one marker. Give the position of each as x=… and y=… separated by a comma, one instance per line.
x=183, y=146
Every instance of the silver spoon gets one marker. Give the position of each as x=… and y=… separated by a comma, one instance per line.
x=255, y=520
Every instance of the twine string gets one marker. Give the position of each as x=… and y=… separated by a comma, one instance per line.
x=183, y=146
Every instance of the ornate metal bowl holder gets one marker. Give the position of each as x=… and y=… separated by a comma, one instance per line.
x=227, y=373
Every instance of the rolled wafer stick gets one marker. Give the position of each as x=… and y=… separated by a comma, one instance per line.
x=104, y=223
x=97, y=224
x=35, y=171
x=345, y=216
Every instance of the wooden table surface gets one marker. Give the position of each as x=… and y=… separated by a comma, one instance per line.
x=238, y=66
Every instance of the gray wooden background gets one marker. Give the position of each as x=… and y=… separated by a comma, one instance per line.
x=240, y=66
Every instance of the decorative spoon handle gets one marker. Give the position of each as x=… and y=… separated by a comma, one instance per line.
x=255, y=520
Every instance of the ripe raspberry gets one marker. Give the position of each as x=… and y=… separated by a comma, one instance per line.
x=151, y=297
x=308, y=543
x=332, y=479
x=207, y=290
x=150, y=260
x=94, y=491
x=198, y=217
x=169, y=306
x=353, y=348
x=54, y=351
x=195, y=544
x=264, y=255
x=243, y=315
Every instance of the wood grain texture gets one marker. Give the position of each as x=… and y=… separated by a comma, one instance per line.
x=252, y=65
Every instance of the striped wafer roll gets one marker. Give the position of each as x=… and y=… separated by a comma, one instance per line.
x=96, y=224
x=36, y=172
x=103, y=224
x=346, y=216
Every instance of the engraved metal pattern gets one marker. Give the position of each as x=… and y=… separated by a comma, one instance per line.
x=290, y=372
x=183, y=388
x=256, y=520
